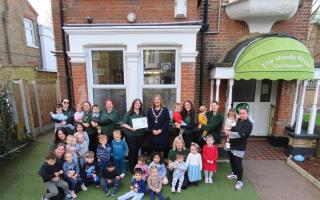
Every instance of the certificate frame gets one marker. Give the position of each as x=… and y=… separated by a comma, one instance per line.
x=140, y=123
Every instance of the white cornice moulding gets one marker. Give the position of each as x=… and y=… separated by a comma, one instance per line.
x=260, y=15
x=77, y=57
x=97, y=30
x=188, y=57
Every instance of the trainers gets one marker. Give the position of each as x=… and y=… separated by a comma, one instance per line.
x=173, y=189
x=83, y=187
x=206, y=180
x=232, y=177
x=122, y=175
x=69, y=197
x=179, y=190
x=74, y=195
x=210, y=180
x=114, y=193
x=108, y=193
x=43, y=198
x=239, y=185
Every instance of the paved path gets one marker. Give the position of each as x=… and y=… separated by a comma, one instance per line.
x=275, y=180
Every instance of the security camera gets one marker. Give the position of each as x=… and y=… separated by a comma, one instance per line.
x=89, y=19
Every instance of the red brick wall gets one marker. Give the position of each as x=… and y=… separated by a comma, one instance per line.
x=80, y=84
x=283, y=110
x=188, y=81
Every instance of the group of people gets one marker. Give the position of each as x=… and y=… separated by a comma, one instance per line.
x=89, y=147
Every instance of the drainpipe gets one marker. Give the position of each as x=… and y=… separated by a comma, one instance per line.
x=65, y=56
x=5, y=27
x=204, y=28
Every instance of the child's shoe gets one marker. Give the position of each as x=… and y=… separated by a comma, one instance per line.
x=43, y=198
x=179, y=190
x=206, y=180
x=83, y=187
x=210, y=180
x=173, y=189
x=114, y=193
x=122, y=175
x=68, y=197
x=239, y=185
x=74, y=195
x=108, y=193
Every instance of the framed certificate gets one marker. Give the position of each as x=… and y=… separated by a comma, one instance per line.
x=140, y=123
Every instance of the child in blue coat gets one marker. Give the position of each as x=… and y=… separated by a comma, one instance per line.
x=119, y=151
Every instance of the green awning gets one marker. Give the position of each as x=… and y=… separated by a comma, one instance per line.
x=275, y=58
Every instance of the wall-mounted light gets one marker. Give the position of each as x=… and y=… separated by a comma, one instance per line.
x=89, y=19
x=131, y=17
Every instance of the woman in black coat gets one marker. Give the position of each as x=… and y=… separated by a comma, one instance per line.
x=158, y=123
x=238, y=141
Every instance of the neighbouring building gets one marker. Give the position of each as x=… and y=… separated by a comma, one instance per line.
x=49, y=62
x=19, y=38
x=240, y=51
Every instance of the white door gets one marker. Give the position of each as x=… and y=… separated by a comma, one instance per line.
x=260, y=95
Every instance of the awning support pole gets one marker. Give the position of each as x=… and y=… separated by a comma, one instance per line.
x=313, y=113
x=230, y=86
x=217, y=89
x=294, y=105
x=300, y=112
x=211, y=90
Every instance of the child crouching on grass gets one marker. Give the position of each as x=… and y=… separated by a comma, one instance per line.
x=51, y=175
x=155, y=184
x=110, y=177
x=137, y=187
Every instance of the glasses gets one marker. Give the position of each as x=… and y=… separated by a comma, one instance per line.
x=65, y=102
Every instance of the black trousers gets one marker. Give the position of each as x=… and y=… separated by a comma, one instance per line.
x=236, y=166
x=134, y=144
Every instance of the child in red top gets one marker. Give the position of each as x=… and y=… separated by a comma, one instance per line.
x=209, y=159
x=177, y=117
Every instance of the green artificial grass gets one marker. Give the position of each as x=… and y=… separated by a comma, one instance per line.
x=306, y=118
x=20, y=180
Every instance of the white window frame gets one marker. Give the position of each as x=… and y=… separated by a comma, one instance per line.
x=176, y=85
x=92, y=86
x=26, y=24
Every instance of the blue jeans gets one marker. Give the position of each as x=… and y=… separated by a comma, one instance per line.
x=91, y=180
x=134, y=195
x=120, y=164
x=106, y=186
x=103, y=165
x=154, y=194
x=73, y=182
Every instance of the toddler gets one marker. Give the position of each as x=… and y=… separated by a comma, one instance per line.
x=71, y=146
x=119, y=151
x=81, y=148
x=71, y=173
x=91, y=170
x=209, y=159
x=60, y=117
x=137, y=187
x=194, y=163
x=79, y=130
x=79, y=114
x=96, y=116
x=143, y=166
x=110, y=178
x=103, y=151
x=155, y=184
x=230, y=122
x=202, y=119
x=162, y=171
x=51, y=173
x=180, y=167
x=177, y=118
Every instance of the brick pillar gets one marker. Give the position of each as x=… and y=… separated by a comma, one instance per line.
x=80, y=83
x=188, y=81
x=285, y=96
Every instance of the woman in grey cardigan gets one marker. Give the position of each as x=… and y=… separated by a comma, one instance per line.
x=238, y=141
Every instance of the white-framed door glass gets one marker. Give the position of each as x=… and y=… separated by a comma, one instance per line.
x=260, y=95
x=160, y=76
x=107, y=77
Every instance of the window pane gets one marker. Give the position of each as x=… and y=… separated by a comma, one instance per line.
x=168, y=97
x=118, y=97
x=266, y=86
x=244, y=91
x=107, y=67
x=159, y=66
x=28, y=26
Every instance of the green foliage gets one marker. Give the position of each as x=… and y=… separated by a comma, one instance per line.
x=7, y=130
